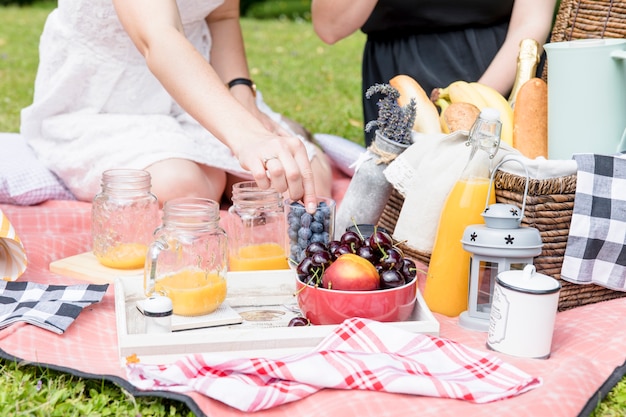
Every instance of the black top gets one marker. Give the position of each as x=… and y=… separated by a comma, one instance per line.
x=435, y=42
x=425, y=16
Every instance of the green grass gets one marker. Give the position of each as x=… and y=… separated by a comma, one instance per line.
x=313, y=83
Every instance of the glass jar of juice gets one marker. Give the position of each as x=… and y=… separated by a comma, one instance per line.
x=123, y=218
x=256, y=229
x=187, y=261
x=447, y=282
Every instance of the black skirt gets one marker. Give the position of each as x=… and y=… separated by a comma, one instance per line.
x=432, y=59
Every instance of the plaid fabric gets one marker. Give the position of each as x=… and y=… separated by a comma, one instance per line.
x=360, y=354
x=596, y=245
x=51, y=307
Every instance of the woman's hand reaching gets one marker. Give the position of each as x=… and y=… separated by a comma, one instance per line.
x=281, y=162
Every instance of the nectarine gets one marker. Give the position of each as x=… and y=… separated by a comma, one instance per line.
x=351, y=272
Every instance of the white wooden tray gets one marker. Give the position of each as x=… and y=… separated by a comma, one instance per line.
x=267, y=303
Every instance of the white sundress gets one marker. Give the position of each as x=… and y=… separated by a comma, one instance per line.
x=97, y=106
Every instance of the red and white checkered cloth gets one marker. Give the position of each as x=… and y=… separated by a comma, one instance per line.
x=360, y=354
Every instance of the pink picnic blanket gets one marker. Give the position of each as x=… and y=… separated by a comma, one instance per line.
x=588, y=343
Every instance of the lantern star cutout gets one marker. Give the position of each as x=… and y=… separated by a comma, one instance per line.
x=509, y=240
x=473, y=237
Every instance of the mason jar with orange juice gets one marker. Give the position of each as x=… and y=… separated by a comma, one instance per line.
x=124, y=216
x=257, y=236
x=187, y=261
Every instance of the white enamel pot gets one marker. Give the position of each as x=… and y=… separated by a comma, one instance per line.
x=523, y=313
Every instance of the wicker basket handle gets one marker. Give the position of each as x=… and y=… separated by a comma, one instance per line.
x=508, y=158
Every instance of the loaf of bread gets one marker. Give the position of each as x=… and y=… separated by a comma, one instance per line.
x=530, y=119
x=458, y=116
x=426, y=113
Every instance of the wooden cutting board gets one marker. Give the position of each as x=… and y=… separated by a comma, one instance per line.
x=86, y=267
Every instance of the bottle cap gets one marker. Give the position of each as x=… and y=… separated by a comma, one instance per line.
x=489, y=113
x=158, y=306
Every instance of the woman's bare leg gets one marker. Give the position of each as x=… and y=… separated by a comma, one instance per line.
x=174, y=178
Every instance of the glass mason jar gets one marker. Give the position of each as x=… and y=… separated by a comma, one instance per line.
x=187, y=261
x=123, y=218
x=256, y=229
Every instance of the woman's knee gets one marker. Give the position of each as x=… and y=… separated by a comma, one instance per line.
x=176, y=178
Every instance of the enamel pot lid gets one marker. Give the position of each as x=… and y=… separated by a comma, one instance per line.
x=528, y=280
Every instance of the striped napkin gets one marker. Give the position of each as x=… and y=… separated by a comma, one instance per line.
x=12, y=254
x=359, y=354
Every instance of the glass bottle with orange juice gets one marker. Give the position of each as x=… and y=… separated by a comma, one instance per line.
x=256, y=229
x=123, y=218
x=187, y=261
x=447, y=281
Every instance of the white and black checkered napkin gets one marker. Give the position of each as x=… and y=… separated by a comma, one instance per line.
x=51, y=307
x=596, y=245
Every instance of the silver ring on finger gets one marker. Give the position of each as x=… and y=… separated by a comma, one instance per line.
x=266, y=160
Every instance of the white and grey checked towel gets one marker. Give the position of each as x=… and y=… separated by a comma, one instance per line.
x=51, y=307
x=596, y=245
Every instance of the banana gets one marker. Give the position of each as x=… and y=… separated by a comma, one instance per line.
x=443, y=104
x=463, y=92
x=495, y=100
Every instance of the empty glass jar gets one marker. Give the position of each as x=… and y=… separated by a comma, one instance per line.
x=124, y=216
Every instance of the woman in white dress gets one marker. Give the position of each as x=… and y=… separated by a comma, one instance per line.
x=128, y=84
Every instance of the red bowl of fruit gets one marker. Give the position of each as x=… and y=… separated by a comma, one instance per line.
x=356, y=277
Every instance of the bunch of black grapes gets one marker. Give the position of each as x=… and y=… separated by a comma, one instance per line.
x=393, y=268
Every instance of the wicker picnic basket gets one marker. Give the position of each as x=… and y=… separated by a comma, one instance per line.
x=549, y=207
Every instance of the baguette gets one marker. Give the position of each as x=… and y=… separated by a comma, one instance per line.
x=530, y=119
x=426, y=113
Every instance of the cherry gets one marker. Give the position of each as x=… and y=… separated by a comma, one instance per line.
x=332, y=247
x=352, y=239
x=391, y=278
x=342, y=249
x=315, y=247
x=409, y=269
x=299, y=321
x=321, y=259
x=381, y=240
x=304, y=268
x=392, y=259
x=367, y=252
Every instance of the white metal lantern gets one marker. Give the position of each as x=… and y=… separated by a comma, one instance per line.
x=499, y=245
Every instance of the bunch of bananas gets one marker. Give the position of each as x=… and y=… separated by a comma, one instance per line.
x=481, y=96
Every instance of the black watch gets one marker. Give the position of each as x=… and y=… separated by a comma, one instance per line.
x=243, y=81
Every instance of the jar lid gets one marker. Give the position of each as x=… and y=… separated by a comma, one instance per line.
x=157, y=306
x=489, y=113
x=528, y=280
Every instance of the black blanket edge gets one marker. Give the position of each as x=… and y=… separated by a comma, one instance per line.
x=121, y=382
x=599, y=395
x=605, y=388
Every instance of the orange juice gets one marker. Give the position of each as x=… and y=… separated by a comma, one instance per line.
x=447, y=281
x=193, y=293
x=262, y=256
x=125, y=256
